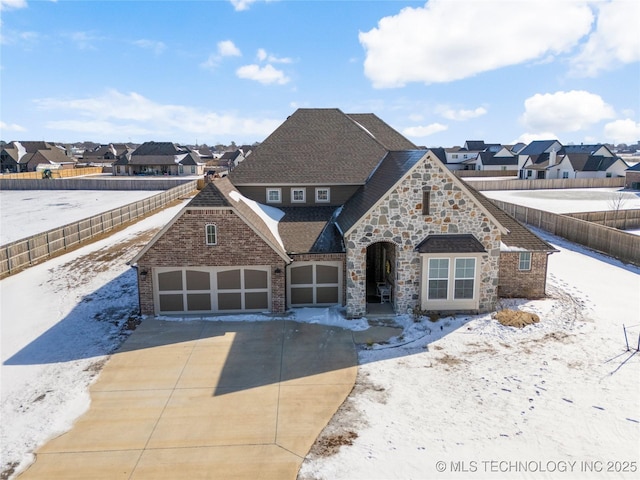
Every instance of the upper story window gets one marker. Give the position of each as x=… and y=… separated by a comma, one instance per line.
x=211, y=234
x=426, y=201
x=274, y=195
x=524, y=262
x=322, y=195
x=298, y=195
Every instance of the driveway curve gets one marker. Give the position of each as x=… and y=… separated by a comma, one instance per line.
x=207, y=399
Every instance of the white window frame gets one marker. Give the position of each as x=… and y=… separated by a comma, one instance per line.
x=430, y=278
x=293, y=194
x=277, y=191
x=456, y=278
x=524, y=261
x=323, y=189
x=450, y=303
x=207, y=234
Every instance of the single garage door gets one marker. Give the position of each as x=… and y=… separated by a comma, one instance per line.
x=193, y=290
x=314, y=284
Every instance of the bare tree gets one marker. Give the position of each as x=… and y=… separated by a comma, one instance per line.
x=617, y=201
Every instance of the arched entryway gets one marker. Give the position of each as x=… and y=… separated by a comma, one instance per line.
x=381, y=265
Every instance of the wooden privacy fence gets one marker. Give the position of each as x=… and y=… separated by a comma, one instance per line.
x=23, y=253
x=616, y=243
x=622, y=219
x=548, y=184
x=485, y=173
x=88, y=183
x=61, y=173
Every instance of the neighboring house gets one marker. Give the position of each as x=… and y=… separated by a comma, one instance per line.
x=536, y=153
x=632, y=176
x=159, y=158
x=18, y=157
x=464, y=158
x=575, y=161
x=232, y=159
x=501, y=160
x=105, y=155
x=336, y=209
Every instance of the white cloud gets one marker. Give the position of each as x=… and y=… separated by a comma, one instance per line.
x=565, y=111
x=225, y=48
x=156, y=46
x=117, y=115
x=263, y=56
x=83, y=40
x=614, y=41
x=530, y=137
x=11, y=127
x=11, y=4
x=622, y=131
x=266, y=75
x=460, y=115
x=424, y=131
x=241, y=5
x=449, y=40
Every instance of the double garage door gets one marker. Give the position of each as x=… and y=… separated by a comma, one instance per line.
x=193, y=290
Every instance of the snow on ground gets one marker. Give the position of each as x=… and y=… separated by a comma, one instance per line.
x=469, y=398
x=569, y=200
x=27, y=212
x=461, y=390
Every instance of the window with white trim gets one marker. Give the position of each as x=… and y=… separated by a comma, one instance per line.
x=298, y=195
x=464, y=279
x=524, y=261
x=274, y=195
x=438, y=278
x=565, y=174
x=322, y=195
x=211, y=234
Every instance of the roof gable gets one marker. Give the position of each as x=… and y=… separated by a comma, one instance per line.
x=538, y=147
x=388, y=175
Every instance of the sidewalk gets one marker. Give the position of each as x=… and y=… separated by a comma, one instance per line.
x=189, y=400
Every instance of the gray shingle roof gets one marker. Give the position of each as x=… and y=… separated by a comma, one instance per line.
x=537, y=147
x=519, y=236
x=450, y=243
x=307, y=230
x=319, y=146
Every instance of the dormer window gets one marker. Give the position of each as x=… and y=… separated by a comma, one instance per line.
x=322, y=195
x=298, y=195
x=274, y=195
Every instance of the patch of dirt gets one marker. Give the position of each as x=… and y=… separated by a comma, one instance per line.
x=516, y=318
x=342, y=428
x=8, y=470
x=450, y=360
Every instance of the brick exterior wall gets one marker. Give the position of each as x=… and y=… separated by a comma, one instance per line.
x=399, y=220
x=522, y=283
x=184, y=245
x=631, y=177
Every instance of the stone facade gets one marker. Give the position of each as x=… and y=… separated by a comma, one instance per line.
x=632, y=179
x=399, y=220
x=522, y=283
x=184, y=245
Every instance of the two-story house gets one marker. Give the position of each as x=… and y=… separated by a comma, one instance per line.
x=338, y=209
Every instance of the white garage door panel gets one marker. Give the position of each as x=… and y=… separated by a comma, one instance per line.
x=193, y=290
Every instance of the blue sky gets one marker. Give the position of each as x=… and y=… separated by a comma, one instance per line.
x=441, y=72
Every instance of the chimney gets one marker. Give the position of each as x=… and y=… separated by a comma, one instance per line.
x=552, y=157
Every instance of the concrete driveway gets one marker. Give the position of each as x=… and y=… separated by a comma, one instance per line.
x=195, y=400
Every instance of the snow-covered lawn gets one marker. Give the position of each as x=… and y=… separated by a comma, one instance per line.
x=26, y=212
x=569, y=200
x=462, y=390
